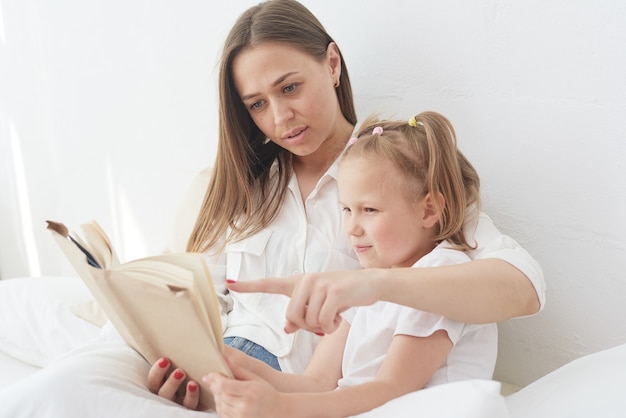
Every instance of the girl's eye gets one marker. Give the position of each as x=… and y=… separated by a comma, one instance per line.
x=346, y=210
x=369, y=210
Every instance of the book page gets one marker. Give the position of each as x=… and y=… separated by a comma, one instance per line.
x=161, y=306
x=100, y=244
x=197, y=263
x=94, y=280
x=168, y=324
x=174, y=277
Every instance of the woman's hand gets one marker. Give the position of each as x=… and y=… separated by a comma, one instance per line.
x=173, y=386
x=317, y=299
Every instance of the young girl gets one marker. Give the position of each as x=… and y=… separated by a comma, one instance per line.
x=406, y=193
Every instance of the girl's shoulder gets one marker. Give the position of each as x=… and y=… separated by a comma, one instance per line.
x=442, y=255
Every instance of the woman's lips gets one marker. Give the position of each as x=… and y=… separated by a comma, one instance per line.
x=296, y=136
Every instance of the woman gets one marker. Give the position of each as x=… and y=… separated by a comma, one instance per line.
x=286, y=114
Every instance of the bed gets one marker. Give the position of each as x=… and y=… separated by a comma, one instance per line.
x=43, y=318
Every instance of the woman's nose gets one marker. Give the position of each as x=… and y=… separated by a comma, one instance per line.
x=281, y=112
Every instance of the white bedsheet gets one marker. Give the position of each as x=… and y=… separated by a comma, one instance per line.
x=13, y=370
x=102, y=377
x=106, y=378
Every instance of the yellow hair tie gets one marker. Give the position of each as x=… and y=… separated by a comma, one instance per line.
x=414, y=123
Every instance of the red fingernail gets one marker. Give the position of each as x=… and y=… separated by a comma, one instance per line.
x=163, y=363
x=321, y=334
x=231, y=281
x=192, y=387
x=178, y=375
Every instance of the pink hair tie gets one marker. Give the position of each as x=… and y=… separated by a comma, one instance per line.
x=352, y=140
x=377, y=131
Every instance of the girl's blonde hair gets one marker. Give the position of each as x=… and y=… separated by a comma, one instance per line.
x=240, y=199
x=425, y=151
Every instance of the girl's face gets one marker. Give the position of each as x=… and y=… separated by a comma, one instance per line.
x=385, y=228
x=291, y=96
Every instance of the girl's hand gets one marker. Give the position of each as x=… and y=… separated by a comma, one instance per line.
x=318, y=299
x=172, y=386
x=245, y=396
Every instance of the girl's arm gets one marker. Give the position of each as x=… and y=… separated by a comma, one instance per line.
x=321, y=374
x=260, y=391
x=409, y=364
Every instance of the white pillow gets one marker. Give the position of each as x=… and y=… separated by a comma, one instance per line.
x=44, y=317
x=103, y=378
x=467, y=399
x=591, y=386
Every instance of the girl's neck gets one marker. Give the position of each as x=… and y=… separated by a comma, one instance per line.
x=418, y=255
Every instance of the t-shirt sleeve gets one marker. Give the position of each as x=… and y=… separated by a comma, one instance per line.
x=348, y=314
x=423, y=324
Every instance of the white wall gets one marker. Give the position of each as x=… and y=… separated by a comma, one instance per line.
x=107, y=110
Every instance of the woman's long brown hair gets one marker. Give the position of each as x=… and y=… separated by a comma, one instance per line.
x=240, y=199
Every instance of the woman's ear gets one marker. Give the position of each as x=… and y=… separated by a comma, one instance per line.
x=333, y=58
x=433, y=204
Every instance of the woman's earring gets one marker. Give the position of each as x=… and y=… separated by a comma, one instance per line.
x=336, y=84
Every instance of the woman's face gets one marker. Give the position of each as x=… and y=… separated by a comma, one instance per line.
x=291, y=96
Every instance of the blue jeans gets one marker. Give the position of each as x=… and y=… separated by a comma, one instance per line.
x=253, y=350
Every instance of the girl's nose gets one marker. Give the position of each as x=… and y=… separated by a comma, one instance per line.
x=352, y=226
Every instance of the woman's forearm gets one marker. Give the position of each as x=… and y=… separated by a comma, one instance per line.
x=481, y=291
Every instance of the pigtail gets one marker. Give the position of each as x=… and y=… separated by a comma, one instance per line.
x=450, y=174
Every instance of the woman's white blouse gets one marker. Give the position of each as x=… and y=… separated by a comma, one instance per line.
x=305, y=237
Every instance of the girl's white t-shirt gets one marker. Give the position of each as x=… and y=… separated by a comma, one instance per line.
x=372, y=329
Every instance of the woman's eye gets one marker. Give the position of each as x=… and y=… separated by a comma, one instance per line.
x=290, y=88
x=256, y=105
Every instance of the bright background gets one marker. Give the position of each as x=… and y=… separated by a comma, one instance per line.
x=107, y=111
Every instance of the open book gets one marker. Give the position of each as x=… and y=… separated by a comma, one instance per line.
x=163, y=305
